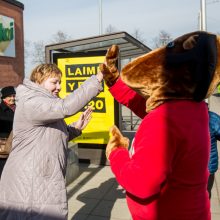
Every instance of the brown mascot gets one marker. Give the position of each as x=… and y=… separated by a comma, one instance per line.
x=165, y=174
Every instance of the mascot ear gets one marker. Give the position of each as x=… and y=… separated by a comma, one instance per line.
x=190, y=42
x=199, y=51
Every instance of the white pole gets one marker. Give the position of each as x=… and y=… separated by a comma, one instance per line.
x=199, y=21
x=100, y=17
x=203, y=26
x=203, y=14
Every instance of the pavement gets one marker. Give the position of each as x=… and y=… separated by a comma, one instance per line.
x=215, y=200
x=95, y=195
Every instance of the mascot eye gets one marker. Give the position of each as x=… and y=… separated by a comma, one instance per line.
x=170, y=44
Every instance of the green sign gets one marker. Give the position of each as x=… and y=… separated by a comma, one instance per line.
x=7, y=36
x=7, y=33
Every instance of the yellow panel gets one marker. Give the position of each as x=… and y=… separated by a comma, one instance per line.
x=75, y=71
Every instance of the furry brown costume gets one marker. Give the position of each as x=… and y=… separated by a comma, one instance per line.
x=116, y=139
x=171, y=72
x=167, y=164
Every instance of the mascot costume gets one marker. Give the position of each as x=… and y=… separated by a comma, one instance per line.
x=165, y=175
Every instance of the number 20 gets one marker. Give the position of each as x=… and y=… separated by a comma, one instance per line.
x=96, y=104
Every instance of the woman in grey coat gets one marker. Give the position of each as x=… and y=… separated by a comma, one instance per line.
x=33, y=179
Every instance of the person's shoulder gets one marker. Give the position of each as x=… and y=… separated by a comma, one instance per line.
x=3, y=106
x=213, y=114
x=214, y=121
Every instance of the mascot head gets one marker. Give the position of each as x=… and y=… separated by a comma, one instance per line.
x=187, y=68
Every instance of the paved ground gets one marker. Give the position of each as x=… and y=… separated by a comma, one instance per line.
x=95, y=195
x=215, y=201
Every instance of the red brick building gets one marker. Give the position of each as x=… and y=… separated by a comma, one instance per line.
x=11, y=43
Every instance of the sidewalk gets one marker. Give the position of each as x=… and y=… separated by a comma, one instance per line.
x=95, y=195
x=215, y=201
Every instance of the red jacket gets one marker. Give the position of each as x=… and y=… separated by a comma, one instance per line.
x=166, y=177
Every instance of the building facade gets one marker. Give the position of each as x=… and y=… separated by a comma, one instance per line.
x=11, y=43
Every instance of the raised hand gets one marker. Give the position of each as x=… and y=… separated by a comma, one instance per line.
x=116, y=140
x=84, y=119
x=109, y=69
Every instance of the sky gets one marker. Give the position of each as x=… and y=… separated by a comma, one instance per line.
x=80, y=18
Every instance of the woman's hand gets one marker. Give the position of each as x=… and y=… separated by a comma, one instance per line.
x=84, y=119
x=99, y=76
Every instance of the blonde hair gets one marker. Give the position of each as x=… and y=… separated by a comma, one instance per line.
x=44, y=71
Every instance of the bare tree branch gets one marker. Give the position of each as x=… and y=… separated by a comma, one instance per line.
x=138, y=35
x=110, y=29
x=38, y=55
x=59, y=37
x=161, y=40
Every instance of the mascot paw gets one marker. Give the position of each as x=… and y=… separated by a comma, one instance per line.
x=116, y=140
x=109, y=68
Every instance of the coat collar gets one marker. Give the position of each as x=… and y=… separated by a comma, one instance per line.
x=4, y=106
x=34, y=86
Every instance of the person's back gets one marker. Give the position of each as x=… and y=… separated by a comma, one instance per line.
x=214, y=128
x=166, y=178
x=185, y=191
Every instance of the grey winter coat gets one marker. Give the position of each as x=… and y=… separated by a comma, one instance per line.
x=32, y=185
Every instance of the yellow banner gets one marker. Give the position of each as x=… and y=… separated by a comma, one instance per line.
x=75, y=71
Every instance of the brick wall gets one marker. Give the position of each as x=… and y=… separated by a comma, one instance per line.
x=12, y=68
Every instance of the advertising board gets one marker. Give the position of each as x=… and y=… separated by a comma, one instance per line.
x=76, y=68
